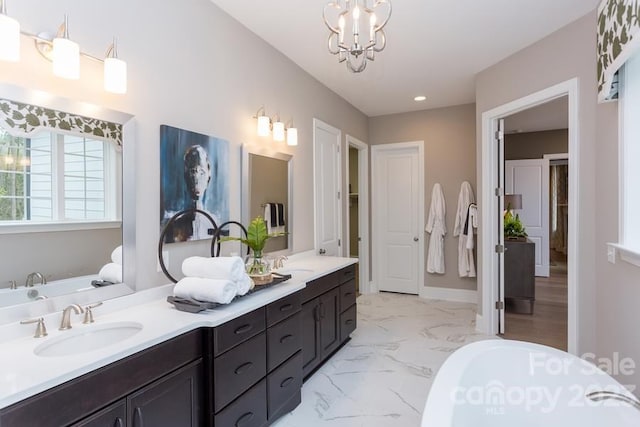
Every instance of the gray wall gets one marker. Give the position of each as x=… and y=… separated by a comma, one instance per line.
x=58, y=255
x=449, y=137
x=534, y=145
x=194, y=67
x=570, y=52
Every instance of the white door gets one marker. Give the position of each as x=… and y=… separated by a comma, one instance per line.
x=327, y=180
x=531, y=179
x=501, y=305
x=398, y=217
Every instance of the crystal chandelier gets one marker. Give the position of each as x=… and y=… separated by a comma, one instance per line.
x=350, y=14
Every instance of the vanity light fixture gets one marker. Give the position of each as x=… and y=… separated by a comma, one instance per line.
x=115, y=71
x=278, y=130
x=9, y=36
x=266, y=125
x=64, y=53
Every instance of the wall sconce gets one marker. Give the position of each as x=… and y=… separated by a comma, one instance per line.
x=64, y=53
x=9, y=36
x=266, y=125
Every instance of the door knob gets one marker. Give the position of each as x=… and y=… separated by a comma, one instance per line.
x=415, y=239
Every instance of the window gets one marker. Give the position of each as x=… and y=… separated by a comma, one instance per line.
x=629, y=147
x=52, y=177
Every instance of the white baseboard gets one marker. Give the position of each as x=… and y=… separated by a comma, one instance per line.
x=446, y=294
x=480, y=326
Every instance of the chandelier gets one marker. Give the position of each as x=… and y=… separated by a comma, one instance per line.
x=348, y=16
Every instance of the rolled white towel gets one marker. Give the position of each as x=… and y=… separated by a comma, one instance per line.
x=210, y=290
x=245, y=285
x=226, y=268
x=116, y=255
x=111, y=272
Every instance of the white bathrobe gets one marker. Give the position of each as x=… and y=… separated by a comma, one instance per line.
x=466, y=265
x=437, y=228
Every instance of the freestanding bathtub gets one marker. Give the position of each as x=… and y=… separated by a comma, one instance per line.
x=517, y=384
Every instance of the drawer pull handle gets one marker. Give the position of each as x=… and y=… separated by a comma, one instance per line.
x=348, y=294
x=243, y=329
x=348, y=272
x=138, y=421
x=285, y=338
x=118, y=422
x=286, y=382
x=286, y=307
x=348, y=321
x=243, y=368
x=244, y=419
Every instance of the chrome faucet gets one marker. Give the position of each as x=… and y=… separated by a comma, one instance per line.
x=599, y=396
x=13, y=284
x=30, y=277
x=279, y=262
x=66, y=316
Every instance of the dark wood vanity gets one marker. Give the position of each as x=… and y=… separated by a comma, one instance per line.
x=247, y=372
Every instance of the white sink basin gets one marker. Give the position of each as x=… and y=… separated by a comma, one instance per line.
x=83, y=338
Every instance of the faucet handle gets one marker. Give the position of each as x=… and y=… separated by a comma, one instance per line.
x=13, y=284
x=88, y=314
x=41, y=330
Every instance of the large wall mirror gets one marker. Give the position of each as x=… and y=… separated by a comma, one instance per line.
x=267, y=182
x=62, y=207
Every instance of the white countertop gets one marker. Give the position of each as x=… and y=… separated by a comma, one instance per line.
x=23, y=374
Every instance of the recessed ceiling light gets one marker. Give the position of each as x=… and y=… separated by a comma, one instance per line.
x=420, y=98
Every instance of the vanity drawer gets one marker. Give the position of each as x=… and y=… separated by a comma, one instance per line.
x=248, y=411
x=238, y=330
x=112, y=416
x=347, y=294
x=283, y=340
x=324, y=284
x=348, y=322
x=283, y=387
x=237, y=370
x=283, y=308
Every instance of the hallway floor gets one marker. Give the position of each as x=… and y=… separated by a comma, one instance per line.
x=381, y=378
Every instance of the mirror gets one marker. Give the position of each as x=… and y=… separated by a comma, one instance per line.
x=61, y=202
x=266, y=181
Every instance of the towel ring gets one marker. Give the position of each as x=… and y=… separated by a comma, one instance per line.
x=216, y=237
x=167, y=227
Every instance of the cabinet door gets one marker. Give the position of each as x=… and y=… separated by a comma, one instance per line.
x=329, y=321
x=175, y=400
x=112, y=416
x=310, y=335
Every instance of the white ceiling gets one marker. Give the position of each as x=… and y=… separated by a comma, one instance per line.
x=550, y=116
x=434, y=47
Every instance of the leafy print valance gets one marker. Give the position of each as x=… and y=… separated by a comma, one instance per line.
x=27, y=119
x=618, y=39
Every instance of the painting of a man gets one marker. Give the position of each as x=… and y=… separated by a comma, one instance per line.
x=194, y=174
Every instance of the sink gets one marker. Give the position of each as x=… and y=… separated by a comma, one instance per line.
x=84, y=338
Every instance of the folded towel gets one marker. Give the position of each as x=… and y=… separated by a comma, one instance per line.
x=280, y=227
x=209, y=290
x=116, y=255
x=225, y=268
x=111, y=272
x=245, y=285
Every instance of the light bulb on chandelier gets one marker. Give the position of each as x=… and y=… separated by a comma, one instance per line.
x=348, y=46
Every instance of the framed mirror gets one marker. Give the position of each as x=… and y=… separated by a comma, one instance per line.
x=267, y=192
x=63, y=214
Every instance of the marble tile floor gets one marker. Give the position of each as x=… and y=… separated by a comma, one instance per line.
x=381, y=378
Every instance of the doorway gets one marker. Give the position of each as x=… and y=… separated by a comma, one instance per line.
x=492, y=319
x=357, y=204
x=397, y=207
x=536, y=178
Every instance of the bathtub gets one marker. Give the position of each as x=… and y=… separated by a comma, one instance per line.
x=55, y=288
x=517, y=384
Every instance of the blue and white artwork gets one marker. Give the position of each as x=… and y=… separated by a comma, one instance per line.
x=194, y=173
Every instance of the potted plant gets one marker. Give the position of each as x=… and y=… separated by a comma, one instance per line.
x=257, y=236
x=513, y=228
